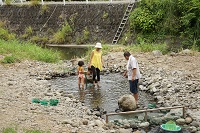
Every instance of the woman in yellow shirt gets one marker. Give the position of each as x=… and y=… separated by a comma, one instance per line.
x=96, y=63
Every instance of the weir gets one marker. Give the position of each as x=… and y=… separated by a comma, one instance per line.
x=146, y=111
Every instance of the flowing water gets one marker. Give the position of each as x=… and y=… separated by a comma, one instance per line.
x=113, y=86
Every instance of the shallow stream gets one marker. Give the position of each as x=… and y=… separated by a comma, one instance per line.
x=113, y=86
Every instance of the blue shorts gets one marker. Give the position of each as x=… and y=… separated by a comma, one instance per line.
x=133, y=86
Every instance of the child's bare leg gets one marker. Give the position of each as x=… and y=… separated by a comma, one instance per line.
x=82, y=81
x=79, y=82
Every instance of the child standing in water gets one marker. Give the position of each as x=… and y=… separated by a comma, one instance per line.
x=81, y=77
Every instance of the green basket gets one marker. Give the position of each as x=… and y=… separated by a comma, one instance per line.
x=170, y=126
x=151, y=105
x=53, y=102
x=35, y=100
x=44, y=102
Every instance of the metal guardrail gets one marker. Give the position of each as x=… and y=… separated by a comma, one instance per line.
x=146, y=111
x=42, y=2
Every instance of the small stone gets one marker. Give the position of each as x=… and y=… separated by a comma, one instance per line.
x=188, y=120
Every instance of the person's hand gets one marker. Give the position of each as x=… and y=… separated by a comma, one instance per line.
x=89, y=66
x=125, y=74
x=133, y=78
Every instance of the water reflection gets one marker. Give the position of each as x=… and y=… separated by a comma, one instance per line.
x=82, y=95
x=113, y=86
x=69, y=53
x=95, y=97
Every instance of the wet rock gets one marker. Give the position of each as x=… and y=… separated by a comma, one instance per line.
x=144, y=124
x=180, y=121
x=127, y=103
x=188, y=120
x=133, y=125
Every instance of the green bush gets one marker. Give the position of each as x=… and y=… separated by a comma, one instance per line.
x=39, y=40
x=155, y=21
x=86, y=34
x=142, y=19
x=64, y=35
x=5, y=35
x=84, y=38
x=44, y=8
x=28, y=33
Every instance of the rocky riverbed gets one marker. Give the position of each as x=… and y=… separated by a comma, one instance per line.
x=173, y=80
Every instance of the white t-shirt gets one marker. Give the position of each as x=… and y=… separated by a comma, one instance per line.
x=132, y=63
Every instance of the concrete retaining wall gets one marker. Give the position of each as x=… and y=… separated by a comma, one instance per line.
x=102, y=20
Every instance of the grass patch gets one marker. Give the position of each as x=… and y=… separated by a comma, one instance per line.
x=9, y=59
x=14, y=50
x=9, y=130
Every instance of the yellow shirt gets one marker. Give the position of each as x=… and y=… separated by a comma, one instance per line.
x=96, y=59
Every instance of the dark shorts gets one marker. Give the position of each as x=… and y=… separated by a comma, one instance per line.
x=133, y=86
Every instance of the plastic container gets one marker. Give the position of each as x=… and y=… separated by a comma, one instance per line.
x=171, y=127
x=44, y=102
x=53, y=102
x=151, y=105
x=35, y=100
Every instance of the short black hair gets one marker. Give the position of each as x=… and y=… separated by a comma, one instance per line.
x=126, y=54
x=80, y=63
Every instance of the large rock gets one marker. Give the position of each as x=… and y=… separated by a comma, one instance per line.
x=127, y=103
